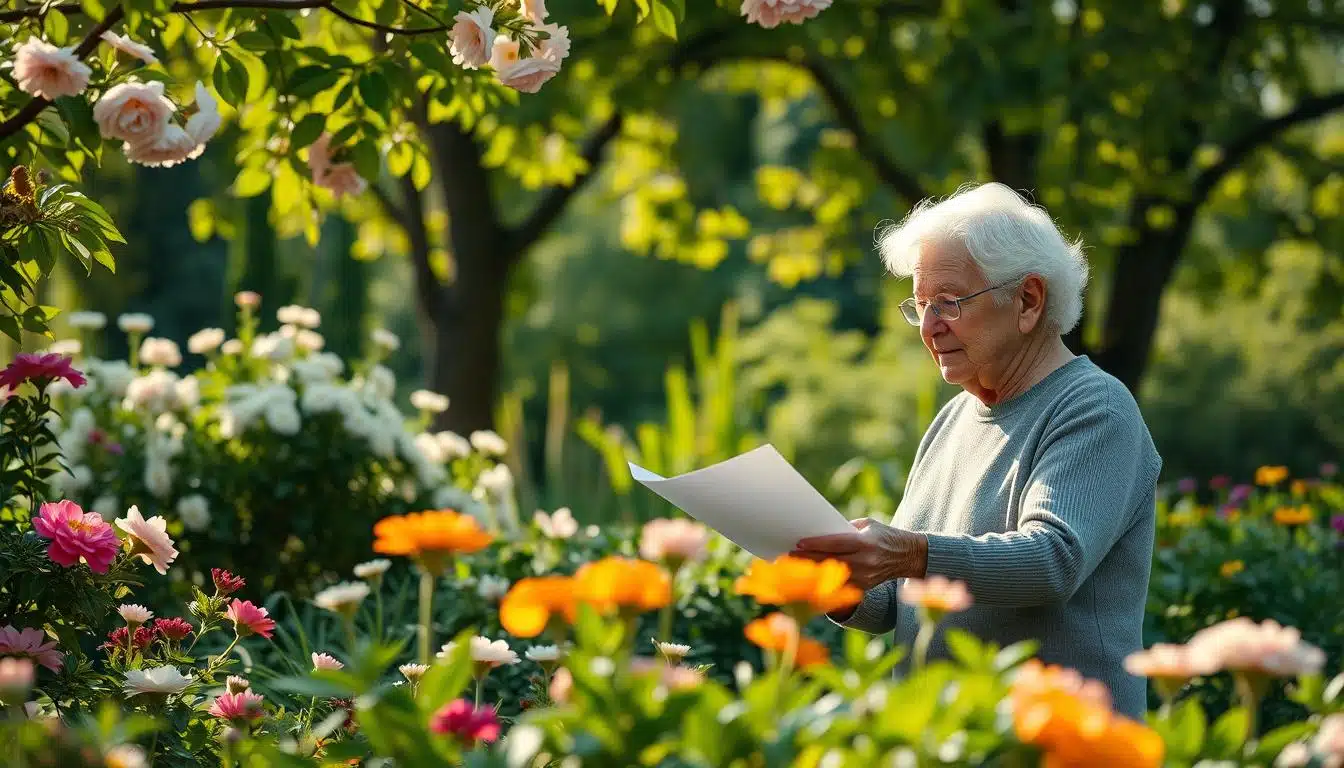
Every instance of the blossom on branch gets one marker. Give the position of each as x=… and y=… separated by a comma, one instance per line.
x=128, y=46
x=47, y=72
x=472, y=38
x=340, y=178
x=772, y=13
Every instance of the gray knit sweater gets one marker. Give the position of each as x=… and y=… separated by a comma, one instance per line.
x=1044, y=506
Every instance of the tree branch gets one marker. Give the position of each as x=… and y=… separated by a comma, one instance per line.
x=865, y=142
x=1237, y=149
x=695, y=50
x=72, y=9
x=32, y=109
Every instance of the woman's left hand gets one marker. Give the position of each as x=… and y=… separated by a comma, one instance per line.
x=875, y=552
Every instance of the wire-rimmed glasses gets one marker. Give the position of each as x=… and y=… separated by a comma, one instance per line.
x=945, y=307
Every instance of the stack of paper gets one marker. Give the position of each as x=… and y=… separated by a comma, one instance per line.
x=757, y=500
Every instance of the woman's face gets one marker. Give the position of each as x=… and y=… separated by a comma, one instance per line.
x=966, y=349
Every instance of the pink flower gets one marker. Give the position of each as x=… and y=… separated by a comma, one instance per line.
x=1187, y=485
x=30, y=644
x=134, y=112
x=249, y=619
x=1329, y=741
x=149, y=539
x=171, y=147
x=673, y=539
x=524, y=75
x=16, y=678
x=131, y=48
x=203, y=125
x=772, y=13
x=77, y=535
x=226, y=583
x=47, y=72
x=936, y=593
x=556, y=46
x=1164, y=660
x=533, y=10
x=463, y=720
x=1329, y=469
x=326, y=661
x=1241, y=645
x=340, y=178
x=1219, y=482
x=238, y=708
x=174, y=629
x=40, y=369
x=472, y=37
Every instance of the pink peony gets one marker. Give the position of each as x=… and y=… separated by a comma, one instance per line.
x=238, y=708
x=464, y=720
x=77, y=535
x=149, y=539
x=772, y=13
x=40, y=369
x=30, y=644
x=134, y=112
x=472, y=37
x=1241, y=645
x=249, y=619
x=525, y=75
x=47, y=72
x=678, y=540
x=171, y=147
x=340, y=178
x=131, y=48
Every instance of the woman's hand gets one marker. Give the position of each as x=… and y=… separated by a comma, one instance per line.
x=875, y=552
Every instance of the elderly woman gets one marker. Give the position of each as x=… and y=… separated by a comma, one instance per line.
x=1035, y=485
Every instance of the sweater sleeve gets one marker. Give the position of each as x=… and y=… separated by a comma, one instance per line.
x=876, y=613
x=1092, y=468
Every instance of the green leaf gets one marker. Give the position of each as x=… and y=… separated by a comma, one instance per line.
x=1228, y=734
x=305, y=685
x=373, y=90
x=1186, y=736
x=35, y=319
x=251, y=181
x=9, y=325
x=307, y=130
x=56, y=27
x=446, y=678
x=307, y=82
x=664, y=19
x=281, y=25
x=230, y=78
x=678, y=8
x=965, y=648
x=1272, y=743
x=1014, y=655
x=51, y=122
x=366, y=160
x=400, y=158
x=256, y=40
x=344, y=135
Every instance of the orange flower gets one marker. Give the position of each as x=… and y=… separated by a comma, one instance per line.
x=1294, y=515
x=803, y=588
x=533, y=604
x=776, y=631
x=429, y=538
x=621, y=584
x=1071, y=720
x=1270, y=476
x=1231, y=568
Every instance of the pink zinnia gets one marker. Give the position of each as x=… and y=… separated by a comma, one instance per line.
x=249, y=619
x=75, y=535
x=41, y=370
x=238, y=708
x=30, y=644
x=462, y=719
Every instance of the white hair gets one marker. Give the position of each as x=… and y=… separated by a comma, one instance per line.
x=1007, y=237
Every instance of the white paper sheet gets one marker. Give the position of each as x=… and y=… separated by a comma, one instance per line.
x=757, y=500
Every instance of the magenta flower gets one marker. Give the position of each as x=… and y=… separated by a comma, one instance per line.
x=238, y=708
x=249, y=619
x=1219, y=482
x=75, y=534
x=31, y=644
x=41, y=370
x=1240, y=493
x=1337, y=522
x=226, y=583
x=1187, y=485
x=465, y=721
x=174, y=629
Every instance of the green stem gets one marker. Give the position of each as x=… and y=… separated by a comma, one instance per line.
x=665, y=623
x=1251, y=689
x=922, y=641
x=349, y=622
x=480, y=688
x=210, y=670
x=378, y=611
x=153, y=746
x=426, y=613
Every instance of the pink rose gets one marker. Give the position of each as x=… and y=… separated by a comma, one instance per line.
x=340, y=178
x=772, y=13
x=172, y=146
x=134, y=112
x=472, y=37
x=525, y=75
x=47, y=72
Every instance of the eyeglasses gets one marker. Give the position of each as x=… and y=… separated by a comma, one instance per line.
x=944, y=307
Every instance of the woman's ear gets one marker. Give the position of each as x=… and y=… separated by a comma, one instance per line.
x=1031, y=304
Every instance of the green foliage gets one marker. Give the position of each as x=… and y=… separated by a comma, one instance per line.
x=39, y=221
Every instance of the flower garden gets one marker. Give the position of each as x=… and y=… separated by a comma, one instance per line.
x=177, y=590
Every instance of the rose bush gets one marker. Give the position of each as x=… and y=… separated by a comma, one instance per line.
x=272, y=459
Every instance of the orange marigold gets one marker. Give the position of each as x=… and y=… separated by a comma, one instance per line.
x=1071, y=720
x=622, y=584
x=776, y=631
x=535, y=603
x=803, y=588
x=1294, y=515
x=429, y=538
x=1271, y=475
